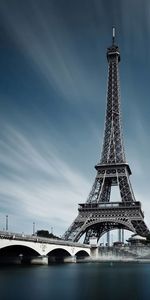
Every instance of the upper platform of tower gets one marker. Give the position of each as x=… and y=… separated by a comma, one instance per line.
x=113, y=51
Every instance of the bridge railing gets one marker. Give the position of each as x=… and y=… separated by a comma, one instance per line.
x=35, y=238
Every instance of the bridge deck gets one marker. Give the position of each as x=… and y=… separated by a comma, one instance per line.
x=34, y=238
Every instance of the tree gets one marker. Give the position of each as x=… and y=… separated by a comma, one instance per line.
x=46, y=234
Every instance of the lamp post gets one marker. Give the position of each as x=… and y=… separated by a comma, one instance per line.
x=6, y=222
x=51, y=230
x=33, y=228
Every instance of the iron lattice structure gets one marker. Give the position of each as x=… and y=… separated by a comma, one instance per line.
x=98, y=215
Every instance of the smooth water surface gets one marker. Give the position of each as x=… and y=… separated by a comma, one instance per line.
x=103, y=281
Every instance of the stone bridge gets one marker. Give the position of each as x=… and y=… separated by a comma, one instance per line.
x=19, y=248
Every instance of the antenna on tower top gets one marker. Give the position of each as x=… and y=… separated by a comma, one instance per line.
x=113, y=35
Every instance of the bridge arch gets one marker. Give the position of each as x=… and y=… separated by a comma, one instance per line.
x=5, y=243
x=16, y=254
x=81, y=254
x=58, y=255
x=17, y=249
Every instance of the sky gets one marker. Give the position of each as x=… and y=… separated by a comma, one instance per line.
x=53, y=84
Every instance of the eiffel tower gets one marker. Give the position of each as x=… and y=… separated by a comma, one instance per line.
x=99, y=215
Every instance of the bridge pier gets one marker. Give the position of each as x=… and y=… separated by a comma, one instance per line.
x=70, y=259
x=61, y=259
x=94, y=253
x=39, y=260
x=24, y=260
x=34, y=260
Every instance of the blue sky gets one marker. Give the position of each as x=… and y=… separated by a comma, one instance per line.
x=53, y=80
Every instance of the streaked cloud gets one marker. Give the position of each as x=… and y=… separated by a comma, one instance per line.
x=35, y=182
x=45, y=39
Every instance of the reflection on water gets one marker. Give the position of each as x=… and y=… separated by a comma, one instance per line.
x=89, y=281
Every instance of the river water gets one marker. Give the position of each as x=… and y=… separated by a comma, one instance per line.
x=86, y=281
